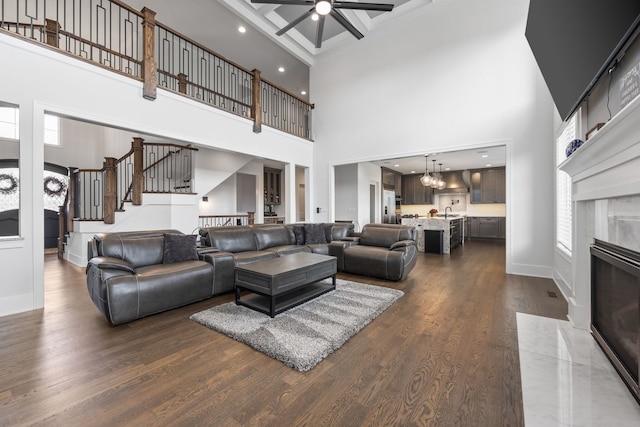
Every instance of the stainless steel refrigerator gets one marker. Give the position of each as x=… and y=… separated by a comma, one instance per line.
x=388, y=207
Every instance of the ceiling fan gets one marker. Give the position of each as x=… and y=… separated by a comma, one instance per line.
x=321, y=8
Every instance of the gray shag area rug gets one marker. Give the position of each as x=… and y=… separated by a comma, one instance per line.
x=303, y=336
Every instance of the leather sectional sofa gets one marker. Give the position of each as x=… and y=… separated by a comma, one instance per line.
x=135, y=274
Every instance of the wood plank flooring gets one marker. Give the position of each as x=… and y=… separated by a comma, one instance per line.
x=445, y=354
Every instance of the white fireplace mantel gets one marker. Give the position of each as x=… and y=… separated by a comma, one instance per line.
x=606, y=166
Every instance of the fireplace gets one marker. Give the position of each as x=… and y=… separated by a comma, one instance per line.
x=615, y=308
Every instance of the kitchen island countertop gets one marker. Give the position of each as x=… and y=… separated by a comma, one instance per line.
x=434, y=223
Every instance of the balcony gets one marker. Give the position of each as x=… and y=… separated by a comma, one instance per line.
x=112, y=35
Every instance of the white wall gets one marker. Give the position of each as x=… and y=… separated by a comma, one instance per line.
x=458, y=75
x=83, y=91
x=368, y=175
x=346, y=199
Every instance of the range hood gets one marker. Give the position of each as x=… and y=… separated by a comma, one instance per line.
x=457, y=182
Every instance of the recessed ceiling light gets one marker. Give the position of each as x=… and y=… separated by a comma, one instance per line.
x=315, y=17
x=396, y=166
x=447, y=169
x=413, y=171
x=488, y=165
x=242, y=29
x=281, y=69
x=304, y=92
x=484, y=156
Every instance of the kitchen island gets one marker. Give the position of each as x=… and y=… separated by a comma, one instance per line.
x=450, y=226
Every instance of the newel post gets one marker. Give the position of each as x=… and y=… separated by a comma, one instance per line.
x=110, y=196
x=137, y=184
x=251, y=217
x=256, y=108
x=149, y=66
x=72, y=199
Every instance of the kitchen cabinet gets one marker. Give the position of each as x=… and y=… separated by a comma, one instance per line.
x=491, y=227
x=488, y=186
x=414, y=193
x=272, y=194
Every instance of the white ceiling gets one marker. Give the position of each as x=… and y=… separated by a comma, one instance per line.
x=300, y=41
x=455, y=160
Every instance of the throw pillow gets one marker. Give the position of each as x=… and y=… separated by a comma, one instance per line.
x=298, y=232
x=314, y=233
x=179, y=247
x=328, y=230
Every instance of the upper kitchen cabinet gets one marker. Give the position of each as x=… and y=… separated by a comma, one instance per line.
x=414, y=193
x=488, y=186
x=272, y=186
x=391, y=180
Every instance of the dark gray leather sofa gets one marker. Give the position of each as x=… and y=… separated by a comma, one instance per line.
x=387, y=251
x=127, y=279
x=239, y=245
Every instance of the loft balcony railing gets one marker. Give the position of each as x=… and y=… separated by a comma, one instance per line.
x=132, y=43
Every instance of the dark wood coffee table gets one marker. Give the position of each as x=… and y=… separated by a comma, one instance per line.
x=278, y=284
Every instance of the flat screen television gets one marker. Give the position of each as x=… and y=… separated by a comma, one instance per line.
x=576, y=41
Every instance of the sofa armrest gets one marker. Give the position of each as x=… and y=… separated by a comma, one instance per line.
x=109, y=263
x=223, y=270
x=203, y=250
x=354, y=239
x=402, y=244
x=336, y=249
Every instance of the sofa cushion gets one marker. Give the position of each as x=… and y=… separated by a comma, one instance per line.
x=241, y=258
x=298, y=232
x=232, y=239
x=328, y=232
x=272, y=236
x=138, y=252
x=314, y=233
x=179, y=248
x=341, y=230
x=383, y=237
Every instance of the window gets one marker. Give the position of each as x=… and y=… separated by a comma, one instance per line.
x=563, y=187
x=9, y=122
x=51, y=130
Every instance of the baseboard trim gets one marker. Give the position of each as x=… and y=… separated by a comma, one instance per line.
x=17, y=304
x=531, y=270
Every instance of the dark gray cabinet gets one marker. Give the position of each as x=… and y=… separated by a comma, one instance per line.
x=414, y=193
x=272, y=186
x=487, y=227
x=455, y=236
x=488, y=186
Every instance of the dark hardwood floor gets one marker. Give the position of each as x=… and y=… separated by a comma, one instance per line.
x=445, y=354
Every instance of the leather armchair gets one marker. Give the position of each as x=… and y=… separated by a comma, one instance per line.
x=387, y=251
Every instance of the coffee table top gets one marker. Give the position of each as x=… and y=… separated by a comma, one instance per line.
x=287, y=263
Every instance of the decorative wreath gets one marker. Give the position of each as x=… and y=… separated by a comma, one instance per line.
x=8, y=184
x=53, y=186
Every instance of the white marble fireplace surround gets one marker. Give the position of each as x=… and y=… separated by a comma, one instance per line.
x=605, y=175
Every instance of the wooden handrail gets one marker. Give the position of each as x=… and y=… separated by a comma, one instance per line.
x=204, y=89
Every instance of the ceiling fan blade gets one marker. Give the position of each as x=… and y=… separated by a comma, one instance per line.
x=382, y=7
x=286, y=2
x=319, y=31
x=346, y=24
x=295, y=22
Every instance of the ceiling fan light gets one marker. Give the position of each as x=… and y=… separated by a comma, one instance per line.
x=315, y=16
x=323, y=7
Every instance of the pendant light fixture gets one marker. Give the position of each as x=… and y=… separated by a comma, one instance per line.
x=425, y=179
x=441, y=183
x=434, y=176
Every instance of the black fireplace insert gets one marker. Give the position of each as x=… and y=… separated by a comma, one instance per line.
x=615, y=308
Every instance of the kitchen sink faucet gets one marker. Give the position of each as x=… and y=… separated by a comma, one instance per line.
x=445, y=211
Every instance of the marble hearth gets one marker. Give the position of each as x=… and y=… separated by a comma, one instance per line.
x=605, y=175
